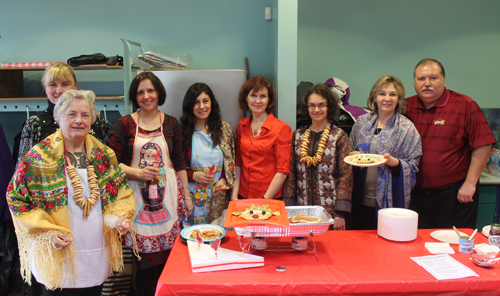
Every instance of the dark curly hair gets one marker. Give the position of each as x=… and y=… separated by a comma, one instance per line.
x=255, y=84
x=188, y=119
x=160, y=89
x=325, y=92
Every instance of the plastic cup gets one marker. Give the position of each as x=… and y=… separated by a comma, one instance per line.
x=465, y=245
x=111, y=221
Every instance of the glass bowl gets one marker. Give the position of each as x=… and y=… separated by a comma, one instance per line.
x=484, y=260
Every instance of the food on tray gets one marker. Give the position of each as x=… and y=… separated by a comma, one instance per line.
x=303, y=218
x=363, y=160
x=206, y=234
x=257, y=213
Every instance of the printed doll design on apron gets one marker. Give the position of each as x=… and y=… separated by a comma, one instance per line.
x=153, y=211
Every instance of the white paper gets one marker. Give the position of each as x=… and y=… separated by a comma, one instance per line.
x=203, y=258
x=444, y=267
x=439, y=248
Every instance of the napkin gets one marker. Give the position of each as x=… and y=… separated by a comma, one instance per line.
x=439, y=248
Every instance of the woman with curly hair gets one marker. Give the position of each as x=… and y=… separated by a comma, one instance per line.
x=318, y=173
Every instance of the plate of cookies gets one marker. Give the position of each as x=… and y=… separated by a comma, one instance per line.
x=365, y=160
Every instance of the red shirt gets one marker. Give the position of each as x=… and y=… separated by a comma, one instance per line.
x=261, y=157
x=449, y=130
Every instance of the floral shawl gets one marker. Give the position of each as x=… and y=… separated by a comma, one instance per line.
x=38, y=200
x=400, y=138
x=227, y=147
x=221, y=197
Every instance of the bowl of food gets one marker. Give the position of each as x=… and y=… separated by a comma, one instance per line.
x=484, y=260
x=208, y=232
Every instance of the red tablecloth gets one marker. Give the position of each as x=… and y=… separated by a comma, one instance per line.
x=350, y=263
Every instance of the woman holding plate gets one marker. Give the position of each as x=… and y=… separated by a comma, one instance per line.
x=318, y=174
x=387, y=132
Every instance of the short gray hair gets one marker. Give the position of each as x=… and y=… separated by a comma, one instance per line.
x=68, y=96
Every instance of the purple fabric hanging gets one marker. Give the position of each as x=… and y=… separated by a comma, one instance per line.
x=341, y=89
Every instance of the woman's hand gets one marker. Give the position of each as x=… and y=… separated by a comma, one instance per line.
x=188, y=201
x=122, y=224
x=234, y=195
x=339, y=223
x=148, y=173
x=354, y=152
x=60, y=241
x=391, y=161
x=220, y=183
x=203, y=178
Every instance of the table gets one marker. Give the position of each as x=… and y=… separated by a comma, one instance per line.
x=350, y=263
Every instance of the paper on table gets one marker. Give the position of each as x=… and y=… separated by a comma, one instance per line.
x=439, y=248
x=444, y=267
x=204, y=259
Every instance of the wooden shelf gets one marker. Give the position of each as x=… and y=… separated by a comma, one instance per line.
x=12, y=81
x=118, y=97
x=76, y=68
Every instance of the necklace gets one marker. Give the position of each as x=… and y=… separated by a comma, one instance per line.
x=256, y=132
x=313, y=160
x=83, y=203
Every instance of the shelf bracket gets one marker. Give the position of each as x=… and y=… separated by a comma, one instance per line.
x=127, y=68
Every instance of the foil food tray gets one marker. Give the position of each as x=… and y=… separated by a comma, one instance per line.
x=295, y=229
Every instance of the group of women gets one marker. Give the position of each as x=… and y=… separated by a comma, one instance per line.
x=159, y=175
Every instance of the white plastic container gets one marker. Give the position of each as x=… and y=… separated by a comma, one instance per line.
x=397, y=224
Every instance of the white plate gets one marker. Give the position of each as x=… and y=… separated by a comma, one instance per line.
x=186, y=232
x=351, y=159
x=486, y=230
x=447, y=236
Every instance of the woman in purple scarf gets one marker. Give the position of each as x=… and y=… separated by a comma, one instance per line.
x=387, y=132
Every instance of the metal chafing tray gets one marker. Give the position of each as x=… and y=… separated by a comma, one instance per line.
x=295, y=229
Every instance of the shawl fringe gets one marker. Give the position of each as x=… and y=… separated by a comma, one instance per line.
x=49, y=261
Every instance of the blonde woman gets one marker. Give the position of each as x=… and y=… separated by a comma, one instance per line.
x=57, y=78
x=385, y=131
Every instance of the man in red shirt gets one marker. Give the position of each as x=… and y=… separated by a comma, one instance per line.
x=456, y=143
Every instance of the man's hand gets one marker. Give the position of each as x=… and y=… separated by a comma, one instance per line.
x=466, y=192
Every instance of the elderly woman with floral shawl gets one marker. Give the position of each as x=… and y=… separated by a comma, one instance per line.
x=387, y=132
x=59, y=196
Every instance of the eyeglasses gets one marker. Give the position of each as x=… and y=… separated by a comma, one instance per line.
x=320, y=106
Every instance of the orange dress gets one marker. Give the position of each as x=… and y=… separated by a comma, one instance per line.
x=261, y=157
